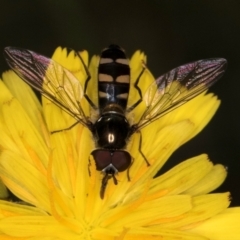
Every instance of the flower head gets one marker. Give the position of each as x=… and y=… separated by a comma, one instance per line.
x=55, y=175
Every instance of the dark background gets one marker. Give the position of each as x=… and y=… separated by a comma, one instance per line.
x=170, y=32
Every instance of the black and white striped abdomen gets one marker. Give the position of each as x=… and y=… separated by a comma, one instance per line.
x=113, y=77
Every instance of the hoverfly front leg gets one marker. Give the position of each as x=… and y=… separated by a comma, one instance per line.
x=128, y=170
x=140, y=148
x=104, y=185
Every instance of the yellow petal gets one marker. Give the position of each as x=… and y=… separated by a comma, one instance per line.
x=166, y=207
x=30, y=226
x=71, y=61
x=20, y=127
x=183, y=176
x=154, y=233
x=199, y=111
x=4, y=194
x=224, y=226
x=209, y=182
x=13, y=167
x=203, y=207
x=21, y=91
x=15, y=209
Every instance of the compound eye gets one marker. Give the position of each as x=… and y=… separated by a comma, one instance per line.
x=121, y=160
x=102, y=158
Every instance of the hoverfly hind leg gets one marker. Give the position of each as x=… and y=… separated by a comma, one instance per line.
x=138, y=89
x=86, y=83
x=87, y=79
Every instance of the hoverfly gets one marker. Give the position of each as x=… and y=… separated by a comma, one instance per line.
x=112, y=129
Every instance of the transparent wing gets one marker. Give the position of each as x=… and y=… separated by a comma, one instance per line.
x=49, y=78
x=178, y=86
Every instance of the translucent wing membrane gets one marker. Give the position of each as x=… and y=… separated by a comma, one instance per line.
x=166, y=93
x=178, y=86
x=50, y=79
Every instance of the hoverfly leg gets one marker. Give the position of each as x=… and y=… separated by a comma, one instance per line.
x=128, y=170
x=86, y=83
x=104, y=185
x=85, y=94
x=65, y=129
x=89, y=164
x=114, y=179
x=138, y=89
x=140, y=148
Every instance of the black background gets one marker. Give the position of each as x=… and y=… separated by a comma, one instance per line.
x=170, y=32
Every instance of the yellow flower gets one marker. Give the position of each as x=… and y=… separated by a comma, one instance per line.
x=56, y=177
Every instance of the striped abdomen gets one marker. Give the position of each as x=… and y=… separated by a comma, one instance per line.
x=113, y=77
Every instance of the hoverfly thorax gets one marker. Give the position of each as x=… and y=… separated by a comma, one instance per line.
x=112, y=130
